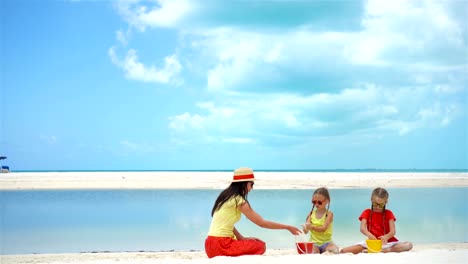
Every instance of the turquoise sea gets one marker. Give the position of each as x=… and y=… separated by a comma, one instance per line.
x=369, y=170
x=163, y=220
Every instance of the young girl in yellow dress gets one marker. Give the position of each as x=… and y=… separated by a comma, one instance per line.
x=320, y=222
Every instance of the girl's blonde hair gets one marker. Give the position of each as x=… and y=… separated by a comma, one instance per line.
x=324, y=192
x=383, y=194
x=380, y=192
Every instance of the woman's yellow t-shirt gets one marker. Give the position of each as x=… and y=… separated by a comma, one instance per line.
x=320, y=238
x=222, y=224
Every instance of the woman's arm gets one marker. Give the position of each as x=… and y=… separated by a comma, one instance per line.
x=237, y=234
x=322, y=229
x=365, y=231
x=258, y=220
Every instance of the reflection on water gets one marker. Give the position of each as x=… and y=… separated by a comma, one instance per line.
x=155, y=220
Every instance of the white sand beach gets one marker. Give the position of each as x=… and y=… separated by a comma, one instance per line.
x=421, y=253
x=220, y=180
x=428, y=253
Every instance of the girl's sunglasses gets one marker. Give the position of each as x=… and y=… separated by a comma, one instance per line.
x=378, y=205
x=317, y=202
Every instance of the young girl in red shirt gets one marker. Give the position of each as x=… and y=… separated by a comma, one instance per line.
x=379, y=223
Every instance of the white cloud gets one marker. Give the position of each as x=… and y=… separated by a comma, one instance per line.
x=186, y=122
x=244, y=58
x=403, y=35
x=366, y=109
x=160, y=13
x=136, y=70
x=442, y=114
x=447, y=89
x=415, y=48
x=408, y=36
x=168, y=14
x=236, y=56
x=411, y=30
x=122, y=37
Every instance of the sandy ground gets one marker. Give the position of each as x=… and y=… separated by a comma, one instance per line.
x=220, y=180
x=427, y=253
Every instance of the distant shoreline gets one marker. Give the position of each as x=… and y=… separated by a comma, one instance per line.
x=267, y=170
x=220, y=180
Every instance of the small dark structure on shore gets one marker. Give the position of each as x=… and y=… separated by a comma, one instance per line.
x=4, y=169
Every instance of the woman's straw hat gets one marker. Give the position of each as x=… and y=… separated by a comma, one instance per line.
x=243, y=174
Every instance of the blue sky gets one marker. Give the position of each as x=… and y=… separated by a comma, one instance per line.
x=179, y=84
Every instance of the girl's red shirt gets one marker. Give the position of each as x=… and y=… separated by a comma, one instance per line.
x=376, y=224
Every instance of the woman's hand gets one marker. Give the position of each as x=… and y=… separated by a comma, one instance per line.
x=238, y=235
x=294, y=230
x=371, y=236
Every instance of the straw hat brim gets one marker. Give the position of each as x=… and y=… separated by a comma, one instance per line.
x=244, y=180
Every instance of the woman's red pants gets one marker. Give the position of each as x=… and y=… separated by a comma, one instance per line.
x=226, y=246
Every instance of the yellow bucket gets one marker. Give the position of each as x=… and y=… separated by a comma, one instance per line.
x=373, y=246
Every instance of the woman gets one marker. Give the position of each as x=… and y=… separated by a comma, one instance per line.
x=223, y=238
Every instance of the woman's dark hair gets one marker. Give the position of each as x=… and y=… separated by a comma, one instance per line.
x=235, y=189
x=324, y=192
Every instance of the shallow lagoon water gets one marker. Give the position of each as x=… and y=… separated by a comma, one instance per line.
x=162, y=220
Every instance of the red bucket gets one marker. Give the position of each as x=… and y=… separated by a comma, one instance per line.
x=305, y=247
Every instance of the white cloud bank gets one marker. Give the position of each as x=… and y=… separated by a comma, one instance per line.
x=404, y=69
x=367, y=110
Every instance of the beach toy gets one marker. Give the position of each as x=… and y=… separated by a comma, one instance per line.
x=303, y=246
x=374, y=245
